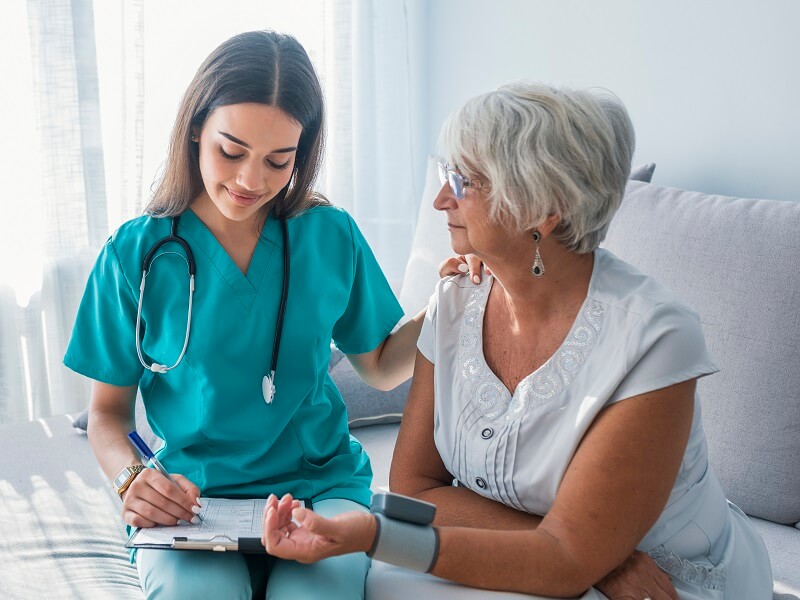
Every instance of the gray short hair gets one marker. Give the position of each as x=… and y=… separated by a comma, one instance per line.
x=546, y=150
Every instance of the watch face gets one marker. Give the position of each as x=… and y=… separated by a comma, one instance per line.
x=122, y=478
x=125, y=475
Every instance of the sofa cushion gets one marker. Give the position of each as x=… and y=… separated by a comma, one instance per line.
x=62, y=530
x=365, y=404
x=783, y=544
x=378, y=441
x=734, y=260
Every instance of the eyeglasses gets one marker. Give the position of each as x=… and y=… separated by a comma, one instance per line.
x=456, y=180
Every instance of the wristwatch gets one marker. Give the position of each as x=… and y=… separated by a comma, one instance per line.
x=125, y=478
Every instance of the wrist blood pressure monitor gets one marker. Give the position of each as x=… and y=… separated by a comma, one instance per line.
x=403, y=508
x=404, y=536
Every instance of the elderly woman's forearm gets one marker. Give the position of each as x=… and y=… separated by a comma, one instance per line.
x=460, y=507
x=530, y=562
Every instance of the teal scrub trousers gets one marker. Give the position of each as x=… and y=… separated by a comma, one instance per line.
x=170, y=574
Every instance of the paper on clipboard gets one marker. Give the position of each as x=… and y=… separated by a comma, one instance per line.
x=227, y=525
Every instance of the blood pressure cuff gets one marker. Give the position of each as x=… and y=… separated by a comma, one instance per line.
x=405, y=544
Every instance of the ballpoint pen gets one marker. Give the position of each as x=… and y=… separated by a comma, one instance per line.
x=148, y=454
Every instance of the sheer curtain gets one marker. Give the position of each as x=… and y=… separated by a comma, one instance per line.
x=92, y=94
x=374, y=87
x=57, y=214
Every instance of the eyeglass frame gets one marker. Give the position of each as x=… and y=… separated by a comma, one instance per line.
x=458, y=183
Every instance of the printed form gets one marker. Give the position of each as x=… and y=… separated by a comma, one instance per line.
x=223, y=519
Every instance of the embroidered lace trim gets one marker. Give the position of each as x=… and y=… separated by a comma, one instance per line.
x=713, y=578
x=547, y=382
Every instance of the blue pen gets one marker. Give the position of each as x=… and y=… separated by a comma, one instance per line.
x=145, y=451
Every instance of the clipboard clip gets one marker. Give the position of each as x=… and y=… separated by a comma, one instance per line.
x=218, y=543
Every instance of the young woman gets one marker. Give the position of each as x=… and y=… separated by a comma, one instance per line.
x=226, y=327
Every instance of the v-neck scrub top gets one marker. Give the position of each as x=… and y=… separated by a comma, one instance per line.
x=631, y=336
x=210, y=411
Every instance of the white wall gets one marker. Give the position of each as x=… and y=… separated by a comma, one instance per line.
x=712, y=86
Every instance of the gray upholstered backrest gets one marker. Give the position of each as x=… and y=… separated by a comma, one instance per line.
x=736, y=261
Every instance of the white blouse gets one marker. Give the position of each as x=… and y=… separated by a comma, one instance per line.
x=632, y=335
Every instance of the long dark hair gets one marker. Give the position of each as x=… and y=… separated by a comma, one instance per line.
x=264, y=67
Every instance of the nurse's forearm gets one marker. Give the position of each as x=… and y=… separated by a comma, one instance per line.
x=391, y=363
x=110, y=420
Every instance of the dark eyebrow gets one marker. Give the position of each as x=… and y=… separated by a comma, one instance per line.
x=236, y=140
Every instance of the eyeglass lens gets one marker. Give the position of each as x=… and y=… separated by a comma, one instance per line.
x=456, y=180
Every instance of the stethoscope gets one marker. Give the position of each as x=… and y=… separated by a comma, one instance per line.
x=268, y=381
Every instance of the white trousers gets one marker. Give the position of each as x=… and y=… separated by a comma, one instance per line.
x=387, y=582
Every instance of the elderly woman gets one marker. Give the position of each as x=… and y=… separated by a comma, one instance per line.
x=559, y=393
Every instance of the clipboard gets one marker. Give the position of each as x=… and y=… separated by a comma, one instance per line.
x=229, y=525
x=218, y=543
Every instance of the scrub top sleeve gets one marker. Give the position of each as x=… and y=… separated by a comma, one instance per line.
x=372, y=309
x=668, y=347
x=103, y=343
x=426, y=342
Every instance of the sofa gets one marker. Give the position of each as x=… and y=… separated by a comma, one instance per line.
x=733, y=259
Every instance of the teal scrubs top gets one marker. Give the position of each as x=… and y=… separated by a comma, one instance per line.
x=219, y=431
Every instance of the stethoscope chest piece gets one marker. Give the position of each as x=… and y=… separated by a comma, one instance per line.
x=268, y=387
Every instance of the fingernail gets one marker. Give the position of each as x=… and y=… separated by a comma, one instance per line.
x=463, y=267
x=196, y=509
x=195, y=520
x=476, y=278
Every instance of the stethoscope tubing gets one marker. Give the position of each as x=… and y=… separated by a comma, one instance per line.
x=268, y=382
x=276, y=344
x=146, y=264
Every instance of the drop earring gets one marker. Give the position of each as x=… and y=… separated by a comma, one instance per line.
x=537, y=268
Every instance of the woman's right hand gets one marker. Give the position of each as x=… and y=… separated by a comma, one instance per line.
x=152, y=500
x=638, y=577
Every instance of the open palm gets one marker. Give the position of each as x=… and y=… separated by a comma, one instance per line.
x=309, y=537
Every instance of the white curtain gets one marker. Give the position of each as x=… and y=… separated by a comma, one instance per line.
x=57, y=214
x=374, y=161
x=92, y=93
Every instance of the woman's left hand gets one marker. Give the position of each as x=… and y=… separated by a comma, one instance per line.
x=463, y=264
x=300, y=534
x=638, y=577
